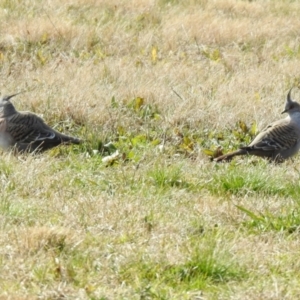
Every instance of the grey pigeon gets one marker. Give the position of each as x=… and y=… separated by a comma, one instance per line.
x=26, y=132
x=278, y=141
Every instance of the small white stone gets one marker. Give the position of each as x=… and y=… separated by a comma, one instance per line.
x=111, y=158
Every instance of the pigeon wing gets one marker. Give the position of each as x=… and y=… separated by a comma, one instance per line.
x=29, y=128
x=276, y=137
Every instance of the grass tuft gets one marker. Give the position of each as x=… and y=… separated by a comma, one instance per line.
x=206, y=266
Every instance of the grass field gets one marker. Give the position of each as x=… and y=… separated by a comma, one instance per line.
x=139, y=211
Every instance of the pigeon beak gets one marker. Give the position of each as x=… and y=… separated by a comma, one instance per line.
x=285, y=111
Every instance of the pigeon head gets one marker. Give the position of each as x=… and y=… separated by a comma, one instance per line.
x=291, y=106
x=6, y=107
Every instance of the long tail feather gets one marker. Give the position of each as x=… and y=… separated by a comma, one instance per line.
x=229, y=156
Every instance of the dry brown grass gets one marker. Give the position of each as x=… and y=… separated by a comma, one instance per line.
x=74, y=227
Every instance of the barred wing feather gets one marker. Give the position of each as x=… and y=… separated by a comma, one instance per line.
x=27, y=128
x=277, y=136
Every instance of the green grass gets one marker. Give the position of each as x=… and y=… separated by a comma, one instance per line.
x=206, y=266
x=140, y=210
x=267, y=221
x=238, y=180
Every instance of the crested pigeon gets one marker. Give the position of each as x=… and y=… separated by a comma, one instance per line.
x=26, y=132
x=278, y=141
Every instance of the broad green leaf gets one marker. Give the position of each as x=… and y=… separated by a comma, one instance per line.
x=253, y=129
x=139, y=102
x=208, y=152
x=243, y=126
x=155, y=142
